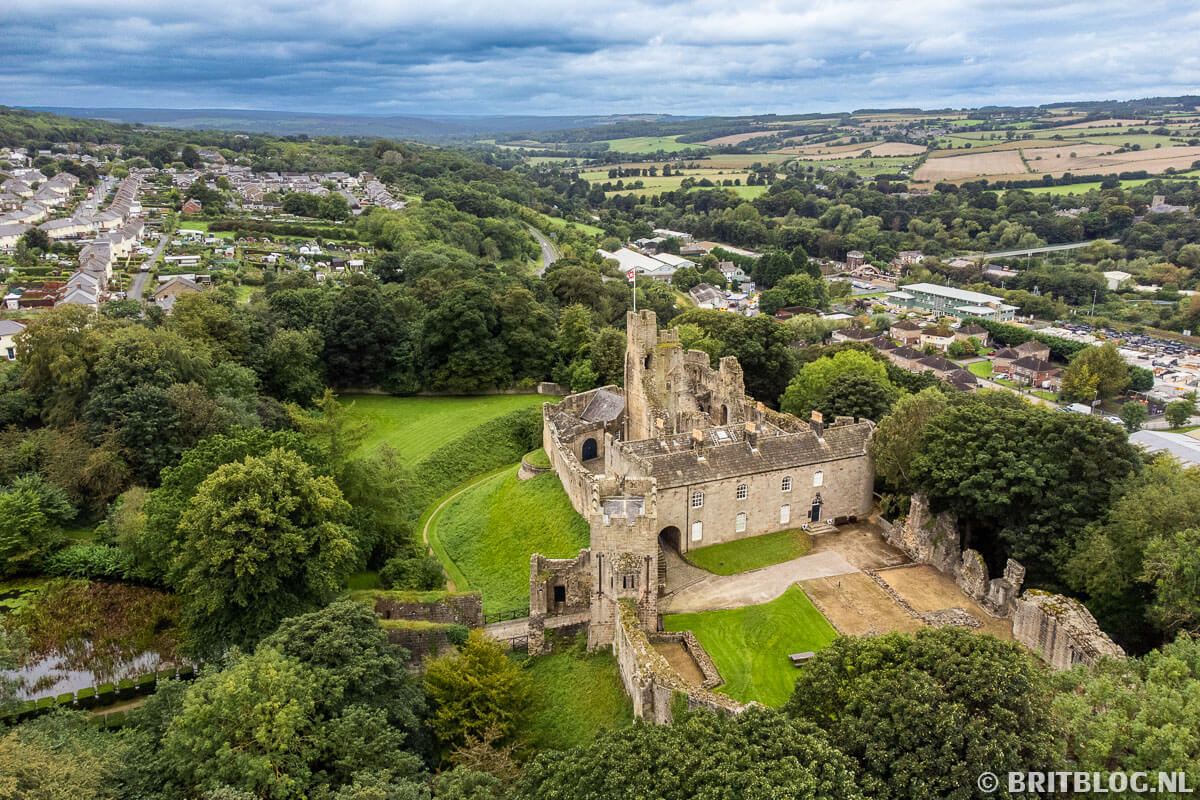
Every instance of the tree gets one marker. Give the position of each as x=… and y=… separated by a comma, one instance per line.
x=474, y=689
x=1179, y=412
x=802, y=264
x=1140, y=379
x=1133, y=414
x=685, y=278
x=1127, y=714
x=461, y=350
x=291, y=366
x=1172, y=567
x=527, y=332
x=795, y=290
x=608, y=356
x=923, y=715
x=773, y=267
x=756, y=755
x=1099, y=368
x=898, y=436
x=854, y=394
x=60, y=757
x=190, y=156
x=263, y=539
x=37, y=239
x=763, y=346
x=1023, y=481
x=812, y=382
x=59, y=350
x=364, y=338
x=32, y=515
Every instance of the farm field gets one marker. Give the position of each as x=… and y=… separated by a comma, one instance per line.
x=746, y=554
x=416, y=426
x=490, y=530
x=737, y=138
x=576, y=695
x=1083, y=188
x=750, y=645
x=1153, y=161
x=1001, y=162
x=648, y=144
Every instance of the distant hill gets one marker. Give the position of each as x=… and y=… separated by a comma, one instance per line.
x=286, y=123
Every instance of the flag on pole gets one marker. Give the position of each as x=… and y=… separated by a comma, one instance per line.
x=632, y=274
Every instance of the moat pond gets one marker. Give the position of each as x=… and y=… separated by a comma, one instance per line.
x=80, y=634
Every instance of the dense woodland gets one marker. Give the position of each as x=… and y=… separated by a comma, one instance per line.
x=180, y=439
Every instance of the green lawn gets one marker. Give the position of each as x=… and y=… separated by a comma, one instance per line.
x=576, y=695
x=416, y=426
x=490, y=531
x=756, y=551
x=649, y=144
x=750, y=645
x=538, y=458
x=559, y=222
x=980, y=369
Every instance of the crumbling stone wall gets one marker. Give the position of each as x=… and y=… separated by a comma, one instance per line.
x=421, y=640
x=458, y=608
x=571, y=575
x=689, y=642
x=1061, y=630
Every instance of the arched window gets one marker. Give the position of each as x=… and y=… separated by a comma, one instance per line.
x=742, y=491
x=697, y=499
x=818, y=478
x=739, y=524
x=787, y=483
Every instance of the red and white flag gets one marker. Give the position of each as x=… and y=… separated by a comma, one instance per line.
x=632, y=274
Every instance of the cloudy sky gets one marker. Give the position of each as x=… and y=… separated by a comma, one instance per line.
x=589, y=57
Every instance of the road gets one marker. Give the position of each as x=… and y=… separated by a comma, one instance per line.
x=1032, y=251
x=549, y=251
x=138, y=284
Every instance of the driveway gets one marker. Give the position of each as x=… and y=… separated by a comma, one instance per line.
x=754, y=587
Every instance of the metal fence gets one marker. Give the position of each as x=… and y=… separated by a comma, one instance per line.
x=504, y=616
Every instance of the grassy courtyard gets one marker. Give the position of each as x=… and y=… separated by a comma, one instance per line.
x=576, y=695
x=416, y=426
x=750, y=645
x=490, y=530
x=757, y=551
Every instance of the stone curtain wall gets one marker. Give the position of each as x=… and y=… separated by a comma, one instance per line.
x=1061, y=630
x=450, y=609
x=650, y=681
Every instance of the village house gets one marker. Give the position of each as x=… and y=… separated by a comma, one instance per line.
x=1035, y=372
x=905, y=332
x=939, y=338
x=8, y=330
x=709, y=296
x=853, y=334
x=166, y=294
x=977, y=332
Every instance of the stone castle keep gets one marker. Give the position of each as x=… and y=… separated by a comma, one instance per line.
x=681, y=458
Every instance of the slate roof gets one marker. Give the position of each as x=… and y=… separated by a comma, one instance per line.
x=1028, y=348
x=905, y=325
x=937, y=364
x=1033, y=364
x=679, y=467
x=1009, y=353
x=605, y=406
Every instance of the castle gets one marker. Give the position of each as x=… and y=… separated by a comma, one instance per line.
x=681, y=458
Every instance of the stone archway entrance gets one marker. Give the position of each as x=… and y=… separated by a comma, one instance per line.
x=589, y=450
x=670, y=538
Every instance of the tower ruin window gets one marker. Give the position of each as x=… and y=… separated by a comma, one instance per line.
x=647, y=363
x=739, y=523
x=742, y=491
x=560, y=594
x=818, y=478
x=629, y=580
x=787, y=483
x=697, y=499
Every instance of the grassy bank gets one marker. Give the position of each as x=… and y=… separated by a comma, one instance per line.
x=576, y=695
x=756, y=551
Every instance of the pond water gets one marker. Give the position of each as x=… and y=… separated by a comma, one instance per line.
x=78, y=663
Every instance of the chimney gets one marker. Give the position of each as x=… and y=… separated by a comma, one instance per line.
x=818, y=423
x=698, y=443
x=752, y=435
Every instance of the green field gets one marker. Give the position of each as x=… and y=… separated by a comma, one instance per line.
x=751, y=553
x=750, y=645
x=416, y=426
x=648, y=144
x=576, y=695
x=559, y=222
x=491, y=530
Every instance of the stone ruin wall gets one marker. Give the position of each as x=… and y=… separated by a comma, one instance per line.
x=464, y=608
x=1058, y=628
x=650, y=681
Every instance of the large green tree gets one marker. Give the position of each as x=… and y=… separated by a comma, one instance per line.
x=857, y=395
x=811, y=384
x=262, y=539
x=898, y=436
x=923, y=715
x=1095, y=372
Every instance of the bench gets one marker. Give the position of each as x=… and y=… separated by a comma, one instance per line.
x=800, y=659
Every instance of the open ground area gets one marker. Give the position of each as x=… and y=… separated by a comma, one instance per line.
x=416, y=426
x=926, y=589
x=858, y=606
x=750, y=645
x=576, y=695
x=490, y=530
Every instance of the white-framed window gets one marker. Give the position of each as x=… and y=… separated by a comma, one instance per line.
x=739, y=523
x=697, y=531
x=742, y=491
x=818, y=478
x=787, y=483
x=697, y=499
x=785, y=514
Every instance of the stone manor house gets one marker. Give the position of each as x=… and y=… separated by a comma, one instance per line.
x=681, y=458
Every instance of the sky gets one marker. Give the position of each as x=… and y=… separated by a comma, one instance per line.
x=694, y=57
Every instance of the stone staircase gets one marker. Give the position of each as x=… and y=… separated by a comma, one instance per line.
x=817, y=528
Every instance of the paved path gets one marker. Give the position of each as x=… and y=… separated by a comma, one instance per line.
x=519, y=628
x=754, y=587
x=139, y=278
x=549, y=251
x=1032, y=251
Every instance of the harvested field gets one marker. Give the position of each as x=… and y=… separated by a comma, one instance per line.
x=1080, y=151
x=857, y=606
x=926, y=589
x=1105, y=123
x=1001, y=162
x=896, y=149
x=738, y=138
x=1153, y=161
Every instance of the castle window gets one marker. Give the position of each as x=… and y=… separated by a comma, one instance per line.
x=629, y=580
x=697, y=531
x=739, y=523
x=787, y=483
x=697, y=499
x=560, y=594
x=742, y=491
x=818, y=478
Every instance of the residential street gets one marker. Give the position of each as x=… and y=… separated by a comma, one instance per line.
x=549, y=251
x=138, y=284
